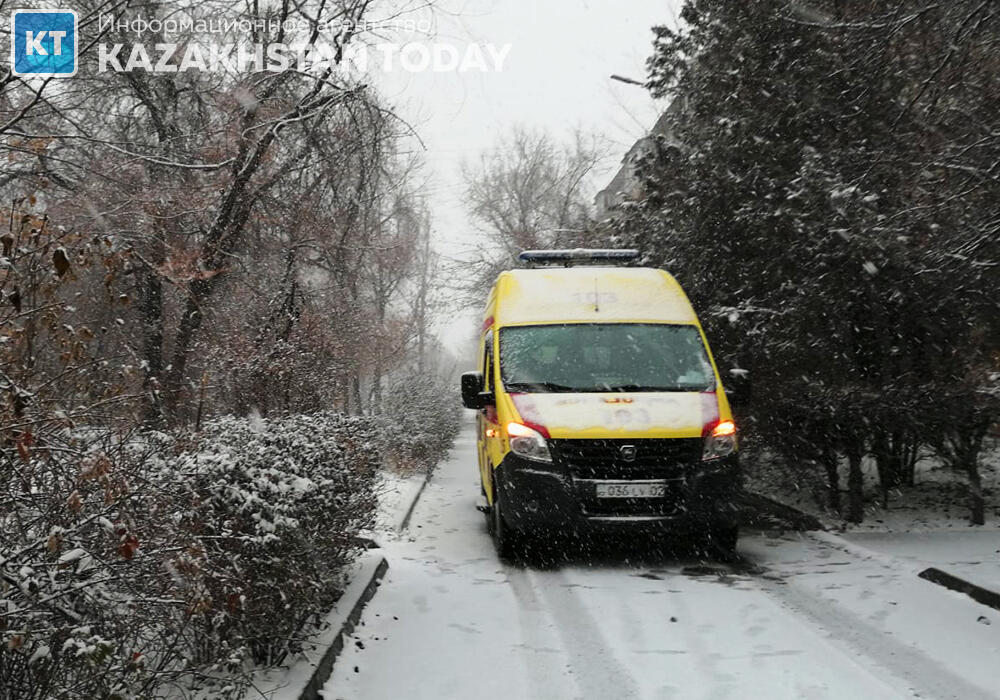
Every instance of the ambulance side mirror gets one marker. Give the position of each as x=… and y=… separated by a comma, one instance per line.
x=472, y=391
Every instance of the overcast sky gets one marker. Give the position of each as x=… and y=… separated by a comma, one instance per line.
x=556, y=77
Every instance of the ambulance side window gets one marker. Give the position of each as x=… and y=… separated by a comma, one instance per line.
x=488, y=364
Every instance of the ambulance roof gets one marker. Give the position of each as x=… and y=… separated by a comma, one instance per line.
x=589, y=294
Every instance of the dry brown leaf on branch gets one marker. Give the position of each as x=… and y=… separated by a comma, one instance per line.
x=75, y=502
x=128, y=546
x=95, y=469
x=54, y=542
x=185, y=266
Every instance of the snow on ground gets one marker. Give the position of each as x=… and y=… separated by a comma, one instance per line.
x=876, y=606
x=799, y=617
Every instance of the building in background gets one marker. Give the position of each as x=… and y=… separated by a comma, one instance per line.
x=625, y=186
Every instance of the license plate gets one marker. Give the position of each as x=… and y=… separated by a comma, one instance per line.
x=627, y=490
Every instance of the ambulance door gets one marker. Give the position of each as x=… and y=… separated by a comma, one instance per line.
x=487, y=417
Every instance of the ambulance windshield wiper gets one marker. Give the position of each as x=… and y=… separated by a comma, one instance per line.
x=642, y=387
x=530, y=387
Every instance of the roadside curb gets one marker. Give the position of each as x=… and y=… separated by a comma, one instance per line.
x=763, y=505
x=324, y=667
x=983, y=596
x=405, y=522
x=306, y=677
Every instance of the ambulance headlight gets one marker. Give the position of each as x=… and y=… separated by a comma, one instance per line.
x=528, y=443
x=721, y=441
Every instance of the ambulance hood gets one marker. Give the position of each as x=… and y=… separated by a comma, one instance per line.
x=618, y=415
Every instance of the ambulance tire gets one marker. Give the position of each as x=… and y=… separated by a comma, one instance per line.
x=505, y=540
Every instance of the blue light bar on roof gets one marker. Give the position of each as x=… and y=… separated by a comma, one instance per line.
x=579, y=255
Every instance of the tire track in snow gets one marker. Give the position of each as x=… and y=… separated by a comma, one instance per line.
x=596, y=672
x=923, y=675
x=719, y=685
x=532, y=615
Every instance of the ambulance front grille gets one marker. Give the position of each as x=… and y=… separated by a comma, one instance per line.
x=659, y=458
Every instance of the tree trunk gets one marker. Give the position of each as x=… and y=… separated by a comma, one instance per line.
x=422, y=306
x=356, y=394
x=198, y=294
x=910, y=454
x=855, y=486
x=345, y=398
x=888, y=451
x=375, y=400
x=151, y=319
x=960, y=448
x=977, y=509
x=830, y=464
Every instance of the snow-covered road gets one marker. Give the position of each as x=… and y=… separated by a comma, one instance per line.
x=800, y=617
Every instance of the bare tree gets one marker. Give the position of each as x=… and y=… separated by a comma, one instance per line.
x=185, y=170
x=530, y=191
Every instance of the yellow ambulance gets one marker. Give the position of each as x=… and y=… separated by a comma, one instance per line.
x=599, y=405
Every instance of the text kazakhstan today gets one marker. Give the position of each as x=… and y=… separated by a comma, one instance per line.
x=413, y=57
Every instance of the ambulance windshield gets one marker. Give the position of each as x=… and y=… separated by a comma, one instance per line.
x=584, y=357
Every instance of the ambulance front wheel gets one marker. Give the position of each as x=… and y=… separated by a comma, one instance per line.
x=505, y=540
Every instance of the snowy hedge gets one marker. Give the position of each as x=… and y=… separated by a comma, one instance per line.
x=129, y=562
x=422, y=416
